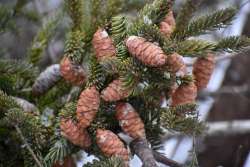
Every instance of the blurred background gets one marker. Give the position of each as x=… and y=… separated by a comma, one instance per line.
x=224, y=105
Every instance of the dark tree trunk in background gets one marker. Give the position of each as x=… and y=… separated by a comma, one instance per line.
x=230, y=151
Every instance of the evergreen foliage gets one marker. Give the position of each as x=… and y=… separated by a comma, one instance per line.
x=147, y=86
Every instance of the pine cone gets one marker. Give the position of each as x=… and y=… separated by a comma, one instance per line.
x=202, y=70
x=176, y=64
x=130, y=120
x=47, y=79
x=115, y=91
x=111, y=145
x=147, y=52
x=68, y=162
x=168, y=24
x=72, y=72
x=185, y=94
x=87, y=106
x=103, y=45
x=74, y=133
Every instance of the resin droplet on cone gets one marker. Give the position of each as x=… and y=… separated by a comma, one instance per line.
x=202, y=70
x=103, y=45
x=72, y=72
x=184, y=94
x=168, y=24
x=111, y=145
x=74, y=133
x=147, y=52
x=115, y=91
x=130, y=120
x=87, y=106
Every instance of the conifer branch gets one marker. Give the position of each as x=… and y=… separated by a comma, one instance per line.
x=43, y=37
x=57, y=152
x=154, y=13
x=106, y=162
x=7, y=102
x=75, y=46
x=28, y=146
x=185, y=14
x=75, y=11
x=14, y=67
x=119, y=28
x=232, y=44
x=201, y=25
x=194, y=48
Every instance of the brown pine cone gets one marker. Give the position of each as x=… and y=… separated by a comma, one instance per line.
x=111, y=145
x=74, y=133
x=202, y=70
x=68, y=162
x=147, y=52
x=87, y=106
x=115, y=91
x=130, y=120
x=184, y=94
x=103, y=45
x=168, y=24
x=176, y=64
x=72, y=72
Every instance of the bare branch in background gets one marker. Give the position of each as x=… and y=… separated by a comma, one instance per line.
x=243, y=89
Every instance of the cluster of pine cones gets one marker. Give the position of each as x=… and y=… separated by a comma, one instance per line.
x=151, y=55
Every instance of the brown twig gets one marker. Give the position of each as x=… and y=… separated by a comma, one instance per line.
x=28, y=146
x=164, y=160
x=141, y=148
x=226, y=90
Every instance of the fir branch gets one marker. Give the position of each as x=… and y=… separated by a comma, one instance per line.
x=76, y=13
x=113, y=7
x=28, y=146
x=106, y=162
x=232, y=44
x=154, y=13
x=7, y=102
x=182, y=119
x=6, y=19
x=14, y=67
x=74, y=47
x=57, y=152
x=218, y=19
x=185, y=14
x=194, y=48
x=97, y=75
x=43, y=37
x=68, y=111
x=119, y=28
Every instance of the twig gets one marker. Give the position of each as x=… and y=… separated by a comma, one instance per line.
x=228, y=127
x=226, y=90
x=28, y=147
x=164, y=160
x=141, y=148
